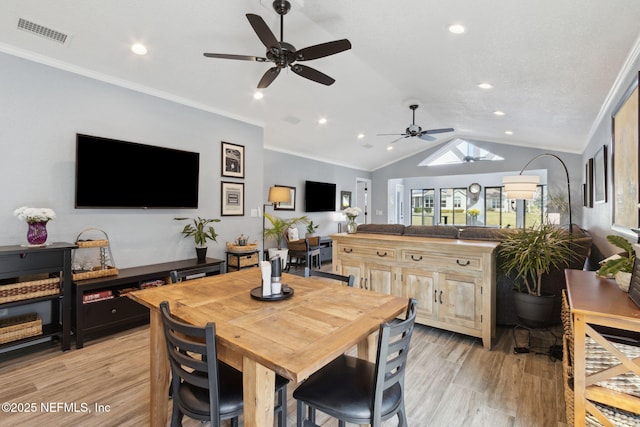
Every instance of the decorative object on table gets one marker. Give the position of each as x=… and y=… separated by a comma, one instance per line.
x=277, y=230
x=288, y=205
x=36, y=219
x=93, y=258
x=345, y=199
x=249, y=247
x=619, y=266
x=242, y=240
x=201, y=232
x=232, y=160
x=530, y=253
x=232, y=199
x=473, y=214
x=276, y=276
x=311, y=229
x=265, y=269
x=352, y=213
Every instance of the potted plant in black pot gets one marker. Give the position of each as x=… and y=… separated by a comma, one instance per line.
x=201, y=232
x=526, y=255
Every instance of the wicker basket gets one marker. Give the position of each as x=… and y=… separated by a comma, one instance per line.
x=93, y=257
x=30, y=289
x=567, y=321
x=19, y=327
x=249, y=247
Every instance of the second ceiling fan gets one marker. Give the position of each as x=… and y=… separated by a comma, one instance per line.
x=283, y=54
x=415, y=130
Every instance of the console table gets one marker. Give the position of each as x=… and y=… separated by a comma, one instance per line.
x=595, y=301
x=101, y=304
x=16, y=261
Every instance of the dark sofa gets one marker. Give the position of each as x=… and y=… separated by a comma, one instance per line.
x=552, y=283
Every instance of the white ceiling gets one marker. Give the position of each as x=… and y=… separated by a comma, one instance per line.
x=552, y=64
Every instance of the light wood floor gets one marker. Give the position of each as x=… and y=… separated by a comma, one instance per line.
x=451, y=381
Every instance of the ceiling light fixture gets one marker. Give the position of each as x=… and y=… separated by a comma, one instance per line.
x=139, y=49
x=322, y=120
x=258, y=95
x=457, y=29
x=485, y=86
x=360, y=135
x=390, y=147
x=498, y=113
x=508, y=132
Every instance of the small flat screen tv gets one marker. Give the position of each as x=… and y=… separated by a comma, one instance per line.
x=120, y=174
x=319, y=196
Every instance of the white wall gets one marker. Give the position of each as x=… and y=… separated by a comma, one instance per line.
x=41, y=110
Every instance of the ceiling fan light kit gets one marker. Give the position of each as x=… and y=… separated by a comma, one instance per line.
x=283, y=54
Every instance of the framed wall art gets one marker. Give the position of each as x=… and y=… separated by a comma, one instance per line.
x=284, y=206
x=600, y=175
x=345, y=199
x=588, y=184
x=624, y=161
x=232, y=203
x=232, y=160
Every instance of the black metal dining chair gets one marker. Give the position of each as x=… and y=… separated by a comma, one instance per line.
x=357, y=391
x=203, y=387
x=349, y=280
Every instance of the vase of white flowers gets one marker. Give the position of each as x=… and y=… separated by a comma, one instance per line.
x=37, y=219
x=352, y=213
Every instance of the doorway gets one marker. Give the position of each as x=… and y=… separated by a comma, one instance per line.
x=363, y=190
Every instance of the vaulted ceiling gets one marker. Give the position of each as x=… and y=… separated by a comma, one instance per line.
x=551, y=64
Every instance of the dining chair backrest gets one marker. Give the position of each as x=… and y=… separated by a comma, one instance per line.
x=192, y=273
x=193, y=359
x=391, y=360
x=349, y=280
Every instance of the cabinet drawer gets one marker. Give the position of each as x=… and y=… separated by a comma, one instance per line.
x=359, y=251
x=118, y=309
x=430, y=259
x=31, y=260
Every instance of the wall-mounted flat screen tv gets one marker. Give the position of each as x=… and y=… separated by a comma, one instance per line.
x=120, y=174
x=319, y=196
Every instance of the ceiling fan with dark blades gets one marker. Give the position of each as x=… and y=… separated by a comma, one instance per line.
x=283, y=54
x=415, y=130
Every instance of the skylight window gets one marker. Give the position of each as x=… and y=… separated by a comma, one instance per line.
x=459, y=151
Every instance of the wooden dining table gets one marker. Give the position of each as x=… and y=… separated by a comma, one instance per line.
x=293, y=337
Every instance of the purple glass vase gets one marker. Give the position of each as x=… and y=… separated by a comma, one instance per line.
x=37, y=233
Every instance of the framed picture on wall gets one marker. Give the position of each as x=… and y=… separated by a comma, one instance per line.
x=588, y=184
x=232, y=203
x=291, y=205
x=600, y=175
x=232, y=160
x=624, y=163
x=345, y=199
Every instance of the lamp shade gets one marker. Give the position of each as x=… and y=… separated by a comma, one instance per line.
x=279, y=195
x=521, y=186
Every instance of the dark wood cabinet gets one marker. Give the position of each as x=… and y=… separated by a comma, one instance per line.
x=101, y=304
x=53, y=260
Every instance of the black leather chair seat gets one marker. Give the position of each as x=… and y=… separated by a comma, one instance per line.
x=345, y=388
x=196, y=399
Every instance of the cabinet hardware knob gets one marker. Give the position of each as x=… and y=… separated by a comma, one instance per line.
x=113, y=311
x=465, y=263
x=416, y=259
x=440, y=297
x=381, y=255
x=348, y=250
x=23, y=255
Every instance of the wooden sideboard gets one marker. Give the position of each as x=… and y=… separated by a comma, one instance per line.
x=453, y=280
x=595, y=301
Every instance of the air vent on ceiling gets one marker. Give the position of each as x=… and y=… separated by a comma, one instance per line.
x=292, y=119
x=42, y=31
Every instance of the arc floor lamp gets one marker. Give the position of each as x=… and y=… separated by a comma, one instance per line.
x=277, y=195
x=525, y=186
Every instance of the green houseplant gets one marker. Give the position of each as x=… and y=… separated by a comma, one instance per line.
x=526, y=255
x=201, y=231
x=619, y=266
x=311, y=229
x=279, y=226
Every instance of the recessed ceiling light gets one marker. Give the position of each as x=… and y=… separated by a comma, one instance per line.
x=360, y=135
x=389, y=148
x=498, y=113
x=485, y=86
x=508, y=132
x=139, y=49
x=322, y=120
x=258, y=95
x=457, y=29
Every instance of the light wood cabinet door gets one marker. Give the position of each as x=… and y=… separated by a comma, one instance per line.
x=352, y=268
x=378, y=278
x=420, y=284
x=460, y=300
